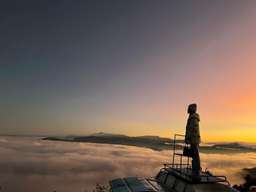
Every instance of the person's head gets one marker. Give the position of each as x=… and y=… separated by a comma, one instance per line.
x=192, y=108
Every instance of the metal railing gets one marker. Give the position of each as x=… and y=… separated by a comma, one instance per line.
x=180, y=165
x=184, y=167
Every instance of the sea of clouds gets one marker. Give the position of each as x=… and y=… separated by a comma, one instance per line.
x=31, y=164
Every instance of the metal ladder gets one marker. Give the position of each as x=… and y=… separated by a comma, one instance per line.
x=180, y=165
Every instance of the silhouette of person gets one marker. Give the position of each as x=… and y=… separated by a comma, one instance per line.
x=192, y=137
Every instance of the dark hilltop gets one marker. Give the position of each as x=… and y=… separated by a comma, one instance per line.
x=151, y=142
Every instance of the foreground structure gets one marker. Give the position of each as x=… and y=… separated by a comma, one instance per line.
x=174, y=177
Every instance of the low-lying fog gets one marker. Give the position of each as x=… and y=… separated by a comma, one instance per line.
x=31, y=164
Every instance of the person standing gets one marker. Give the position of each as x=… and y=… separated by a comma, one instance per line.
x=192, y=137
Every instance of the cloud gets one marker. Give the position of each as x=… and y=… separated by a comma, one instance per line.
x=31, y=164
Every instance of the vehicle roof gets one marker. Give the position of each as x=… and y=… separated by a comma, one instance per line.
x=171, y=184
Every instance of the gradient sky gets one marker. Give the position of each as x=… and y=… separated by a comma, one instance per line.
x=130, y=67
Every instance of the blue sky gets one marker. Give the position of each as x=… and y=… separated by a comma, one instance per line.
x=127, y=67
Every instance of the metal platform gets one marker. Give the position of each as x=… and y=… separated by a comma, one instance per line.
x=181, y=166
x=176, y=180
x=186, y=175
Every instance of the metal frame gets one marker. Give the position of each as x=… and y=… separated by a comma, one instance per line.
x=174, y=165
x=182, y=169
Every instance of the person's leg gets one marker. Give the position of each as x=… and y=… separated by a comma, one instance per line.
x=195, y=161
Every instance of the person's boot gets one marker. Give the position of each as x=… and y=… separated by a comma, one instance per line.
x=196, y=179
x=196, y=176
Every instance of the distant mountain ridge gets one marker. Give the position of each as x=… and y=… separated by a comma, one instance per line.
x=103, y=134
x=152, y=142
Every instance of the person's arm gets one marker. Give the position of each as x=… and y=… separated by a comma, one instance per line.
x=187, y=136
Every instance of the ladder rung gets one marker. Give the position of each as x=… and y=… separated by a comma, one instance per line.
x=180, y=154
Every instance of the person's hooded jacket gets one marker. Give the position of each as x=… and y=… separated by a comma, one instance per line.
x=192, y=129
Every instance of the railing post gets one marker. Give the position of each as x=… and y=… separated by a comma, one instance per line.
x=173, y=156
x=180, y=163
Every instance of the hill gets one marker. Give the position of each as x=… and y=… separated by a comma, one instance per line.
x=152, y=142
